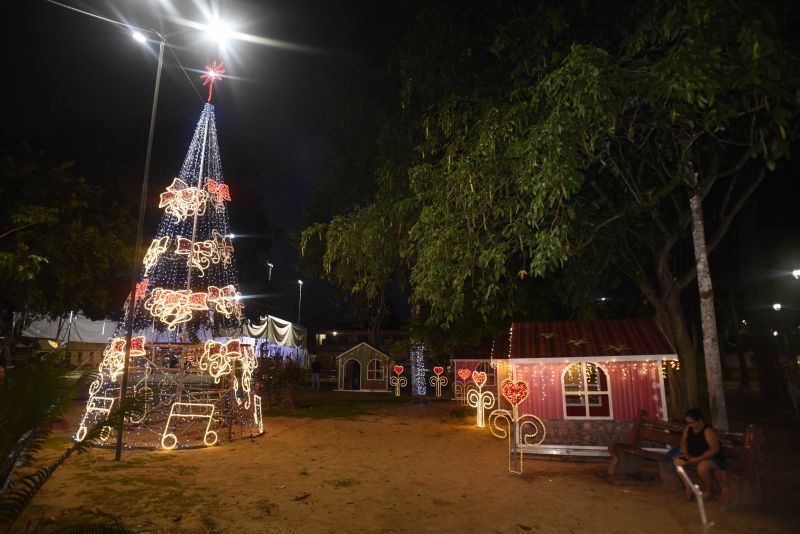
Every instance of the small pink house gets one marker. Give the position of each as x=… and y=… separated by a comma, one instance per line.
x=587, y=380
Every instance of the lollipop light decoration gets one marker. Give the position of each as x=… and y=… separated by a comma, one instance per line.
x=477, y=398
x=527, y=429
x=437, y=380
x=459, y=388
x=398, y=381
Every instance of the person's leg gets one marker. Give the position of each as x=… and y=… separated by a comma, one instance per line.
x=705, y=470
x=688, y=490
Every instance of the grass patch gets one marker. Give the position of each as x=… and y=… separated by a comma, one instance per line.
x=303, y=471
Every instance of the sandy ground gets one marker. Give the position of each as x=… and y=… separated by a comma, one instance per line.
x=401, y=468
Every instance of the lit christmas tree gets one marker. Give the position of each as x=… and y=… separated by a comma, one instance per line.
x=186, y=360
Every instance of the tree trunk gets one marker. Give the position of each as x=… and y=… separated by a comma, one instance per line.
x=716, y=391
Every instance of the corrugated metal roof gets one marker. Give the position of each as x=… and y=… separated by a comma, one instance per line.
x=601, y=337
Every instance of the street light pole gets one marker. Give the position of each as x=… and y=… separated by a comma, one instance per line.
x=300, y=299
x=138, y=249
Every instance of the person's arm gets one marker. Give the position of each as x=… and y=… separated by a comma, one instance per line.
x=685, y=444
x=712, y=438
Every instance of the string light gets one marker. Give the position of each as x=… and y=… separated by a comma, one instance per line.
x=156, y=249
x=182, y=201
x=438, y=381
x=527, y=429
x=398, y=381
x=218, y=192
x=225, y=299
x=175, y=307
x=187, y=410
x=166, y=371
x=477, y=398
x=417, y=357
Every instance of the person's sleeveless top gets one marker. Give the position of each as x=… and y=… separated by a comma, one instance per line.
x=696, y=443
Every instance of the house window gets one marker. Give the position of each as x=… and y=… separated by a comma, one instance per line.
x=375, y=370
x=586, y=392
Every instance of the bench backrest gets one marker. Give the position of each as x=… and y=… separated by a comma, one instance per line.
x=743, y=448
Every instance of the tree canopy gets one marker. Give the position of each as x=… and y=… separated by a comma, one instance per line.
x=527, y=136
x=64, y=244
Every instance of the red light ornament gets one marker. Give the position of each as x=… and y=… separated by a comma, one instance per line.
x=514, y=392
x=479, y=377
x=463, y=373
x=213, y=73
x=438, y=370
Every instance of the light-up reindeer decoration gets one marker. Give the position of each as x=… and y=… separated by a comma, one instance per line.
x=477, y=398
x=437, y=380
x=527, y=429
x=398, y=381
x=459, y=388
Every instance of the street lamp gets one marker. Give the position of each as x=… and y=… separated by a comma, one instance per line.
x=776, y=306
x=137, y=254
x=269, y=274
x=796, y=273
x=299, y=299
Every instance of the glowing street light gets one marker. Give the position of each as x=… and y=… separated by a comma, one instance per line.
x=796, y=273
x=269, y=274
x=218, y=31
x=776, y=306
x=139, y=36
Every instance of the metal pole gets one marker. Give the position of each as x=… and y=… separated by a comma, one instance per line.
x=299, y=302
x=138, y=251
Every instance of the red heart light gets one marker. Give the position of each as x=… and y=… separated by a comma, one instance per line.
x=438, y=370
x=398, y=369
x=514, y=392
x=463, y=373
x=479, y=377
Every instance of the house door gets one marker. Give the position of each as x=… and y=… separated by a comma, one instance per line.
x=352, y=375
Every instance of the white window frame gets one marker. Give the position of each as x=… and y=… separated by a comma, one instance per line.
x=587, y=393
x=380, y=367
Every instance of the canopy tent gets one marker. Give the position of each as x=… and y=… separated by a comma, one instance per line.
x=78, y=327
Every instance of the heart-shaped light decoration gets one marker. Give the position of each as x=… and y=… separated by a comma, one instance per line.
x=463, y=373
x=438, y=370
x=479, y=377
x=398, y=369
x=514, y=392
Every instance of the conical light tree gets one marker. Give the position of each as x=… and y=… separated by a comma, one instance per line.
x=186, y=362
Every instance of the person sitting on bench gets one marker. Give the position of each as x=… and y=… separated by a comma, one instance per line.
x=700, y=447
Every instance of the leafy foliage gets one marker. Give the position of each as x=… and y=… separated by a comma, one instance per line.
x=59, y=235
x=540, y=133
x=34, y=397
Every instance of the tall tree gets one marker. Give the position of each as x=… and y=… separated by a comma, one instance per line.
x=64, y=245
x=542, y=134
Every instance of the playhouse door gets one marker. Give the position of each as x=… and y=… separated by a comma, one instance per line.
x=352, y=375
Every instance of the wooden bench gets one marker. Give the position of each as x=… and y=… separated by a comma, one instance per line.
x=742, y=453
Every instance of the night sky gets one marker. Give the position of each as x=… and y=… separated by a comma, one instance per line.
x=82, y=90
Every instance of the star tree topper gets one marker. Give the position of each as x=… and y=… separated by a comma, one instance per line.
x=212, y=74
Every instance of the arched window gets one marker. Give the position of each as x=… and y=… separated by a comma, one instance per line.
x=375, y=370
x=586, y=392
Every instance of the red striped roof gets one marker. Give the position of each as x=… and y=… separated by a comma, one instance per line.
x=601, y=337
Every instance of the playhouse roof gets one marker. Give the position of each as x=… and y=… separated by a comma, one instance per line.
x=363, y=344
x=600, y=337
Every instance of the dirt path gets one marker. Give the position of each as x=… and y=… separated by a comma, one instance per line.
x=407, y=468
